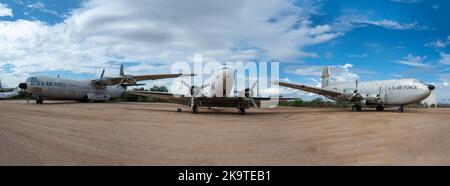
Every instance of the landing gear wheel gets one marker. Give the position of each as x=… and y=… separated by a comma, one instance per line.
x=380, y=107
x=195, y=109
x=241, y=110
x=400, y=109
x=178, y=109
x=356, y=108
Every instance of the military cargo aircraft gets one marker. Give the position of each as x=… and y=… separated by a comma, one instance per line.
x=102, y=89
x=398, y=92
x=217, y=92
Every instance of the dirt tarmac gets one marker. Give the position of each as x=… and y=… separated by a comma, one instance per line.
x=70, y=133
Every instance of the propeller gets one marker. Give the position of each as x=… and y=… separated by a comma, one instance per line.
x=100, y=81
x=103, y=72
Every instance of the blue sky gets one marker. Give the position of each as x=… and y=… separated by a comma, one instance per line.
x=365, y=40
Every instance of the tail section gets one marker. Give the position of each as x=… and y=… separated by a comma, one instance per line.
x=325, y=76
x=122, y=74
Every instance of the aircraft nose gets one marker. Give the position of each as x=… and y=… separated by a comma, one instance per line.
x=23, y=86
x=431, y=87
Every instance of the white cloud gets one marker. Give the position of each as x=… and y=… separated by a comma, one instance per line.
x=351, y=21
x=159, y=32
x=445, y=59
x=415, y=61
x=389, y=24
x=5, y=10
x=435, y=6
x=338, y=73
x=437, y=44
x=446, y=84
x=406, y=1
x=41, y=7
x=357, y=55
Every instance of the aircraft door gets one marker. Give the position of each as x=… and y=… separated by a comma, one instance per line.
x=384, y=94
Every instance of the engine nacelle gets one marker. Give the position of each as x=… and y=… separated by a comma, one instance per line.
x=373, y=99
x=107, y=81
x=346, y=95
x=130, y=80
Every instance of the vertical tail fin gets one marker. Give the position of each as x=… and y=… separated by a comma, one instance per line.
x=325, y=76
x=121, y=71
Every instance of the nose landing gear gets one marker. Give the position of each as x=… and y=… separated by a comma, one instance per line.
x=400, y=109
x=241, y=110
x=194, y=109
x=380, y=107
x=39, y=101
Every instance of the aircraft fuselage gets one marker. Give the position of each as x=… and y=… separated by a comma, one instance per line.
x=65, y=89
x=391, y=92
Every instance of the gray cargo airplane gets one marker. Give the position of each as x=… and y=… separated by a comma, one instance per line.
x=7, y=95
x=8, y=92
x=49, y=88
x=211, y=94
x=380, y=93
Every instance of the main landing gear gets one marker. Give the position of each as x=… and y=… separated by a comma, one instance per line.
x=39, y=101
x=380, y=108
x=356, y=108
x=241, y=110
x=195, y=109
x=400, y=109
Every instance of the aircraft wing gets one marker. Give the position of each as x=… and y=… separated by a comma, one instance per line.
x=117, y=80
x=161, y=95
x=206, y=101
x=157, y=76
x=311, y=89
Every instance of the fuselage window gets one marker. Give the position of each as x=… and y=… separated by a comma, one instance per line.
x=32, y=81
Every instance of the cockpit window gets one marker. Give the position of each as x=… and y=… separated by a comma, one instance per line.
x=32, y=80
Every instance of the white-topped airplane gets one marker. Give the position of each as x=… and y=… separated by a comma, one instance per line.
x=212, y=94
x=398, y=92
x=50, y=88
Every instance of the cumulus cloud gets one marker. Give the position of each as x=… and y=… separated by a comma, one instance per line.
x=415, y=61
x=339, y=73
x=106, y=32
x=5, y=10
